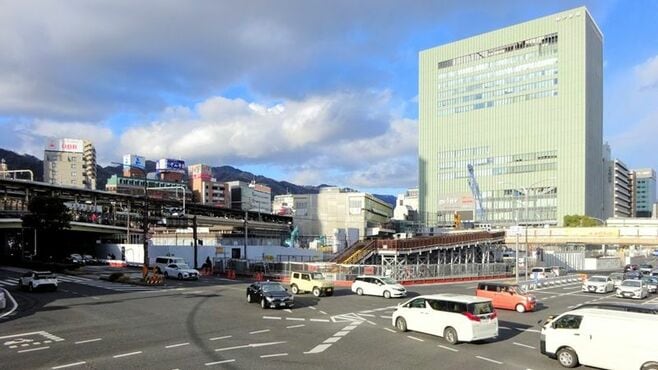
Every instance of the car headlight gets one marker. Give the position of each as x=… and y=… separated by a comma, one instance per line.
x=269, y=299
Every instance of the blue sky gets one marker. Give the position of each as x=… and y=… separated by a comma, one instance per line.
x=304, y=91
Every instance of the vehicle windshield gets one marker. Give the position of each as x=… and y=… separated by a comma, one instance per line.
x=480, y=308
x=597, y=279
x=389, y=281
x=183, y=266
x=317, y=276
x=632, y=283
x=42, y=276
x=268, y=288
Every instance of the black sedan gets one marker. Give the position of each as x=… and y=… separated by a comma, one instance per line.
x=270, y=295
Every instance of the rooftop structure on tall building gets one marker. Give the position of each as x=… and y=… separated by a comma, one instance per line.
x=171, y=170
x=644, y=191
x=70, y=162
x=521, y=107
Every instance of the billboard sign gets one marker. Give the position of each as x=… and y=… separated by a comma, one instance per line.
x=131, y=160
x=65, y=145
x=200, y=171
x=456, y=202
x=170, y=165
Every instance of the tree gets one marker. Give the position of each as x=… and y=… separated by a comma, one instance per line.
x=48, y=217
x=579, y=221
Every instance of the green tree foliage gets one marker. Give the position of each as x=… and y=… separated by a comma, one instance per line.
x=48, y=216
x=580, y=221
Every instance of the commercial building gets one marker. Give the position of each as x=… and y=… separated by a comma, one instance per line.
x=621, y=197
x=339, y=216
x=644, y=191
x=522, y=107
x=406, y=206
x=206, y=189
x=70, y=162
x=249, y=196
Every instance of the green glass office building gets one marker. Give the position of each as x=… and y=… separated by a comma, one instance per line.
x=522, y=106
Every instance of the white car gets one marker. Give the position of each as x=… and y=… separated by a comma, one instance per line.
x=455, y=317
x=181, y=271
x=598, y=284
x=378, y=285
x=37, y=279
x=632, y=288
x=540, y=273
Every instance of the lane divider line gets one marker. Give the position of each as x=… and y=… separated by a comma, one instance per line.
x=448, y=348
x=69, y=365
x=332, y=339
x=295, y=319
x=259, y=331
x=224, y=337
x=32, y=349
x=320, y=320
x=274, y=355
x=219, y=362
x=414, y=338
x=322, y=312
x=488, y=359
x=389, y=329
x=524, y=345
x=88, y=340
x=127, y=354
x=272, y=318
x=177, y=345
x=295, y=326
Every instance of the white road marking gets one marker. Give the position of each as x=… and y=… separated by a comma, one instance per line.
x=319, y=348
x=367, y=314
x=177, y=345
x=332, y=339
x=528, y=330
x=320, y=320
x=342, y=333
x=274, y=355
x=69, y=365
x=349, y=327
x=488, y=359
x=218, y=362
x=414, y=338
x=504, y=328
x=32, y=349
x=448, y=348
x=259, y=331
x=252, y=345
x=294, y=326
x=370, y=322
x=389, y=329
x=88, y=340
x=311, y=307
x=42, y=333
x=127, y=354
x=386, y=317
x=288, y=310
x=224, y=337
x=322, y=312
x=523, y=345
x=367, y=311
x=271, y=318
x=295, y=319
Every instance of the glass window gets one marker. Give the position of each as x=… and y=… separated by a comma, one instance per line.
x=568, y=322
x=417, y=303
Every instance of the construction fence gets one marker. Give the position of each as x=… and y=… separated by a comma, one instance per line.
x=334, y=271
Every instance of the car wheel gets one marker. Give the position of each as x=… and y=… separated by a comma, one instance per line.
x=180, y=276
x=359, y=291
x=567, y=357
x=520, y=308
x=650, y=366
x=248, y=298
x=450, y=335
x=329, y=293
x=387, y=294
x=263, y=305
x=166, y=274
x=294, y=289
x=401, y=324
x=316, y=291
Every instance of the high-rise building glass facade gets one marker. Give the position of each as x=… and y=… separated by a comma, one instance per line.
x=644, y=192
x=522, y=107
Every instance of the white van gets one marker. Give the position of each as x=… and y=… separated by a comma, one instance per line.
x=540, y=273
x=164, y=261
x=591, y=337
x=455, y=317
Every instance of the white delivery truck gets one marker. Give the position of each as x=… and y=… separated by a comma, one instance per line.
x=598, y=337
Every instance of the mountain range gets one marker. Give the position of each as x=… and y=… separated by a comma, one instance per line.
x=221, y=173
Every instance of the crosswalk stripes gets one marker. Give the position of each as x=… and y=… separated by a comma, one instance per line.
x=7, y=282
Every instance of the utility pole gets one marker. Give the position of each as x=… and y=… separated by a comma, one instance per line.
x=246, y=213
x=194, y=236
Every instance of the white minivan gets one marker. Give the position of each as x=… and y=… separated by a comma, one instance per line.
x=455, y=317
x=591, y=337
x=162, y=262
x=381, y=286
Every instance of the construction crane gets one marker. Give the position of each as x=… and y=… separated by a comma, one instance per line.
x=475, y=190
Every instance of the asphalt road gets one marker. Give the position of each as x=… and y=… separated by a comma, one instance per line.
x=208, y=324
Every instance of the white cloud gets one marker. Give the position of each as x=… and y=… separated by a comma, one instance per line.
x=647, y=73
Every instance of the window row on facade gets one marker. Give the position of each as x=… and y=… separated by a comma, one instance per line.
x=535, y=41
x=482, y=161
x=498, y=102
x=539, y=85
x=499, y=171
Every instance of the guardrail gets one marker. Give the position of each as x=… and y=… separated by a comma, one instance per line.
x=555, y=281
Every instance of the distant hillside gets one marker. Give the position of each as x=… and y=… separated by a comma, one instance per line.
x=221, y=173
